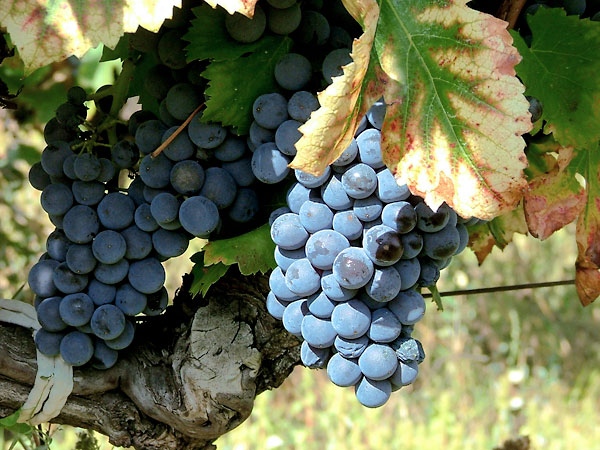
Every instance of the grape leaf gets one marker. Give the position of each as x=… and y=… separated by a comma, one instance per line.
x=587, y=276
x=49, y=31
x=209, y=39
x=235, y=84
x=136, y=87
x=252, y=251
x=498, y=232
x=455, y=113
x=562, y=70
x=555, y=198
x=206, y=276
x=245, y=7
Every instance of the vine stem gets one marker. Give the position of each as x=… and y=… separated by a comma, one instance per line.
x=171, y=138
x=513, y=287
x=510, y=11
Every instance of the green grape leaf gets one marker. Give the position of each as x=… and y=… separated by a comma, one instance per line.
x=49, y=31
x=206, y=276
x=209, y=39
x=252, y=251
x=122, y=50
x=455, y=109
x=554, y=198
x=562, y=70
x=235, y=84
x=11, y=420
x=136, y=86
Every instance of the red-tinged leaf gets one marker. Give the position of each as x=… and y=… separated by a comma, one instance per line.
x=587, y=277
x=455, y=113
x=554, y=199
x=498, y=232
x=45, y=31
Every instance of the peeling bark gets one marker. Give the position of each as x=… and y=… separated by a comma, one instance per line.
x=191, y=376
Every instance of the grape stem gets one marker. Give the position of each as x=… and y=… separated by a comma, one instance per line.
x=510, y=11
x=170, y=139
x=513, y=287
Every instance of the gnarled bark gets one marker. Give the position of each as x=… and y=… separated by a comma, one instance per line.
x=191, y=376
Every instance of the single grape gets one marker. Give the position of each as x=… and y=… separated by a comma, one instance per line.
x=206, y=135
x=293, y=316
x=88, y=193
x=312, y=357
x=312, y=181
x=288, y=233
x=301, y=105
x=270, y=110
x=129, y=300
x=324, y=246
x=68, y=281
x=38, y=178
x=351, y=319
x=135, y=191
x=408, y=350
x=104, y=358
x=48, y=342
x=57, y=245
x=359, y=181
x=430, y=221
x=170, y=49
x=409, y=270
x=408, y=306
x=441, y=244
x=348, y=224
x=405, y=374
x=352, y=268
x=297, y=196
x=369, y=148
x=56, y=199
x=293, y=71
x=348, y=155
x=156, y=302
x=138, y=243
x=116, y=210
x=430, y=272
x=76, y=309
x=378, y=361
x=108, y=322
x=199, y=216
x=180, y=148
x=269, y=165
x=313, y=30
x=286, y=136
x=284, y=21
x=279, y=287
x=76, y=348
x=315, y=216
x=343, y=372
x=335, y=196
x=383, y=245
x=164, y=208
x=54, y=156
x=246, y=30
x=231, y=149
x=123, y=340
x=368, y=209
x=284, y=258
x=144, y=219
x=400, y=216
x=260, y=135
x=241, y=171
x=101, y=293
x=147, y=275
x=148, y=135
x=339, y=38
x=320, y=305
x=319, y=333
x=351, y=348
x=87, y=167
x=385, y=284
x=80, y=258
x=385, y=326
x=302, y=279
x=155, y=172
x=48, y=315
x=170, y=244
x=412, y=244
x=275, y=306
x=372, y=393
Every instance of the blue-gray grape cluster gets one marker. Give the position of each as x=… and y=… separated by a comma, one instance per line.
x=353, y=250
x=102, y=262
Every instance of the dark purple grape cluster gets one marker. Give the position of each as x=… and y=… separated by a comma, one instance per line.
x=353, y=250
x=102, y=265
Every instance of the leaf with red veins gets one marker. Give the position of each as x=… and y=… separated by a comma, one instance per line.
x=245, y=7
x=481, y=241
x=554, y=199
x=587, y=276
x=456, y=112
x=46, y=31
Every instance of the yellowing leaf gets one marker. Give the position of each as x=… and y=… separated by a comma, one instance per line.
x=553, y=199
x=331, y=128
x=455, y=113
x=245, y=7
x=587, y=275
x=498, y=232
x=45, y=31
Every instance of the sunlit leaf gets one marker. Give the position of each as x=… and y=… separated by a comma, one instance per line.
x=455, y=113
x=45, y=31
x=245, y=7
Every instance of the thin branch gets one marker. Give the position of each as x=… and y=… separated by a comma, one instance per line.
x=171, y=138
x=514, y=287
x=510, y=11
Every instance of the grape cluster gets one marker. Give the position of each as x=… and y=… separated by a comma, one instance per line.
x=278, y=115
x=102, y=262
x=353, y=250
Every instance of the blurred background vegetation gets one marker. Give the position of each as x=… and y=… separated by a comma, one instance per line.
x=498, y=365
